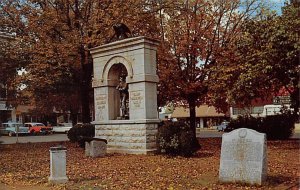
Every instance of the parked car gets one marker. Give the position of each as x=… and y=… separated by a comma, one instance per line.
x=38, y=128
x=11, y=129
x=222, y=126
x=62, y=128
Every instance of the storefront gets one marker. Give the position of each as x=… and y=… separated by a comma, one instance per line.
x=6, y=114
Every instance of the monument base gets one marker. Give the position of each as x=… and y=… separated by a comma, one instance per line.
x=58, y=180
x=128, y=136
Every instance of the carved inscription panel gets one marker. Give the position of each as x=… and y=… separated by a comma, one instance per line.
x=136, y=99
x=100, y=104
x=243, y=150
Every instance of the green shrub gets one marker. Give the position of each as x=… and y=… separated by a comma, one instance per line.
x=246, y=122
x=274, y=126
x=279, y=126
x=175, y=138
x=86, y=130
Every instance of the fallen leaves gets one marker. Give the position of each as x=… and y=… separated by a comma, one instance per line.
x=28, y=165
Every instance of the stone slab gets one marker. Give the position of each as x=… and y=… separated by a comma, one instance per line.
x=243, y=157
x=95, y=149
x=58, y=165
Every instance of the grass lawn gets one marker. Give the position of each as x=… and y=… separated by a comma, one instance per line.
x=26, y=166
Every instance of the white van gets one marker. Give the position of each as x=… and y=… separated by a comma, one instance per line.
x=273, y=109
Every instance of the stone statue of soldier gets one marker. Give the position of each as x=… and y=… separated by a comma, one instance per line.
x=123, y=89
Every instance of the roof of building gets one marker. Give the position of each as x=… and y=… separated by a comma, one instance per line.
x=201, y=111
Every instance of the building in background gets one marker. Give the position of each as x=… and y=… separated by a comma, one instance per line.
x=263, y=107
x=206, y=116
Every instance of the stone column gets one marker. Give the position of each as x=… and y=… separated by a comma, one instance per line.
x=58, y=165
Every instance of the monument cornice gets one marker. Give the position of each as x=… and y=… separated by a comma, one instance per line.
x=122, y=45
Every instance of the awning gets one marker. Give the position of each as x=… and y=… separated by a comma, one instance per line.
x=201, y=111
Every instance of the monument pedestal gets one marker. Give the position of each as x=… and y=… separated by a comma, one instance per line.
x=128, y=136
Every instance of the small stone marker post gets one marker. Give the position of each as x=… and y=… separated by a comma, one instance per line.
x=58, y=165
x=243, y=157
x=95, y=149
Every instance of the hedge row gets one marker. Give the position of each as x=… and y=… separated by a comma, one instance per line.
x=276, y=127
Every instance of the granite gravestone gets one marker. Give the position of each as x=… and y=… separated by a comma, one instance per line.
x=243, y=157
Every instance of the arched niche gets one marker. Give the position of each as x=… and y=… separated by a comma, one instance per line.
x=113, y=62
x=115, y=73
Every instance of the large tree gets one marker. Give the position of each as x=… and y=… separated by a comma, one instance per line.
x=59, y=35
x=268, y=59
x=198, y=35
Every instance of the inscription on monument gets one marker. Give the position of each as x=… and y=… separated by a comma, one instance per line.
x=136, y=99
x=243, y=157
x=100, y=101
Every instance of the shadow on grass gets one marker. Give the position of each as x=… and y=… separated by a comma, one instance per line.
x=275, y=181
x=204, y=154
x=272, y=182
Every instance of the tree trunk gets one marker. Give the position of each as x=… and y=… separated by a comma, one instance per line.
x=295, y=101
x=85, y=102
x=85, y=86
x=192, y=107
x=73, y=116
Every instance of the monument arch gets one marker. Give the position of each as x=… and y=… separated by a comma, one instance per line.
x=117, y=60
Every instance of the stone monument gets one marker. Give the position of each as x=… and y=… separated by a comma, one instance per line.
x=129, y=123
x=243, y=157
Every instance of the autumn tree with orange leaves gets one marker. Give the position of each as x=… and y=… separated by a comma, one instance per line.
x=266, y=63
x=198, y=35
x=57, y=37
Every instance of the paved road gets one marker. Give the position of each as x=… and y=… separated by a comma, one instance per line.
x=33, y=139
x=206, y=133
x=202, y=133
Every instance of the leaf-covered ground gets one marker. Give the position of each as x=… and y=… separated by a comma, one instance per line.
x=26, y=166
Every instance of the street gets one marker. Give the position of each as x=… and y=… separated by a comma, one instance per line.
x=34, y=139
x=208, y=133
x=63, y=137
x=201, y=133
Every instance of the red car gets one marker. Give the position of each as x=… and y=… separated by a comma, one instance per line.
x=38, y=128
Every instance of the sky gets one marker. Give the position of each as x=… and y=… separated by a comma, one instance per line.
x=276, y=5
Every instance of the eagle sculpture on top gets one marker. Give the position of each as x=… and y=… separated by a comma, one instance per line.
x=121, y=32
